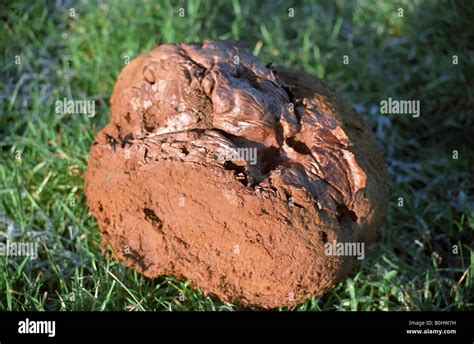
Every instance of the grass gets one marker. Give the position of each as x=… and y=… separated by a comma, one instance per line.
x=43, y=154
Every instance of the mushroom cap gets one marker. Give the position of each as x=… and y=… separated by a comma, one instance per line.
x=234, y=175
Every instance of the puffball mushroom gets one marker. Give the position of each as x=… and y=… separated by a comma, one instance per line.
x=174, y=192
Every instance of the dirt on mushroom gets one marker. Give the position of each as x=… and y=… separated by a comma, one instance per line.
x=174, y=192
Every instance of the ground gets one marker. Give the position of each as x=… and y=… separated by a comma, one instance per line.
x=367, y=50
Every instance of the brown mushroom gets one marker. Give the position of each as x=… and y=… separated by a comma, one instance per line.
x=236, y=176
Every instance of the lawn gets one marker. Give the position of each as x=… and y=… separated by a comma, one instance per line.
x=367, y=50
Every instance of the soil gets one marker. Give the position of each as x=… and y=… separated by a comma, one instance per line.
x=170, y=198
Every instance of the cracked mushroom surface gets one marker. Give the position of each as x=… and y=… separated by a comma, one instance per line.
x=174, y=192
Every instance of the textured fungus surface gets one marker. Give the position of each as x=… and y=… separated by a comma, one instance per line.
x=174, y=195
